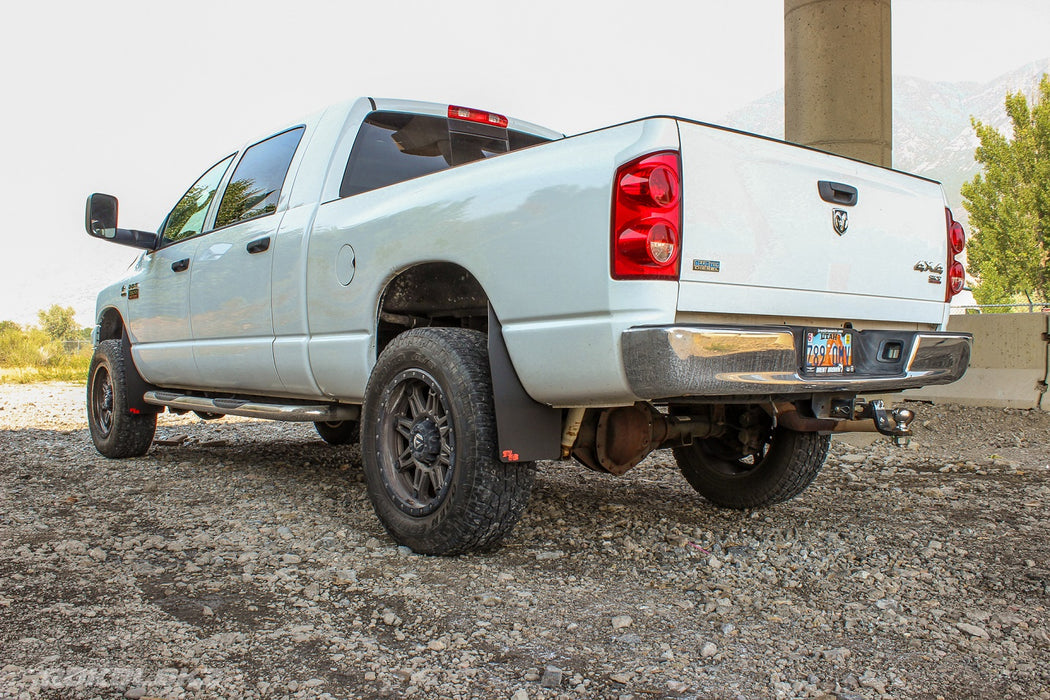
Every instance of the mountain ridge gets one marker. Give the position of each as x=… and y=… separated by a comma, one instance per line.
x=932, y=132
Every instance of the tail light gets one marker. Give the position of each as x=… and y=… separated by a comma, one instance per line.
x=956, y=244
x=647, y=218
x=469, y=114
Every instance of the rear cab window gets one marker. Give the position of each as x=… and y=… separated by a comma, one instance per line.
x=392, y=147
x=255, y=187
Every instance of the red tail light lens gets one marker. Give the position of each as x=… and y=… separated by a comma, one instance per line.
x=648, y=243
x=646, y=218
x=956, y=278
x=956, y=238
x=657, y=185
x=469, y=114
x=956, y=244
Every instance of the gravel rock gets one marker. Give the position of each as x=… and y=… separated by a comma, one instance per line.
x=837, y=655
x=552, y=676
x=242, y=559
x=973, y=630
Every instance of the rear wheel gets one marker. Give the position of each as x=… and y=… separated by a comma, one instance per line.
x=428, y=444
x=115, y=430
x=338, y=432
x=753, y=465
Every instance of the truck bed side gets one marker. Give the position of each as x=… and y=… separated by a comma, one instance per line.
x=532, y=227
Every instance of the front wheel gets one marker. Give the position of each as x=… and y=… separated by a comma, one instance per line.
x=428, y=443
x=116, y=431
x=777, y=466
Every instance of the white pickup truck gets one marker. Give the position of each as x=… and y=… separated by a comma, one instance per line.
x=472, y=293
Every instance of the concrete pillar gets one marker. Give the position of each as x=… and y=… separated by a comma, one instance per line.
x=838, y=90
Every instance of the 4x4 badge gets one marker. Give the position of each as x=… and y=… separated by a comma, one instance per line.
x=840, y=220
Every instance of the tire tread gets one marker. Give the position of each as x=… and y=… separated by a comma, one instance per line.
x=496, y=493
x=132, y=434
x=794, y=460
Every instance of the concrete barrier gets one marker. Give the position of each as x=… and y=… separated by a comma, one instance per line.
x=1009, y=366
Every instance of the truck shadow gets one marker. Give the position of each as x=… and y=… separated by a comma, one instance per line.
x=287, y=472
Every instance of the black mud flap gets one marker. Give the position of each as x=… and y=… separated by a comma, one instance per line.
x=136, y=385
x=527, y=430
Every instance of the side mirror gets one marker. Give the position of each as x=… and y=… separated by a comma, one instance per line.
x=100, y=220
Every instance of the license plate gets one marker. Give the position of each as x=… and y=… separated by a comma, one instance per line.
x=829, y=352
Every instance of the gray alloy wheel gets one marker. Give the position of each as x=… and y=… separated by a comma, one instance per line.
x=428, y=443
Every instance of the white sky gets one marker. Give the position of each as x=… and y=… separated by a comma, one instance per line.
x=138, y=98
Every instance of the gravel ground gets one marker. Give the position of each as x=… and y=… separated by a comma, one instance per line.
x=246, y=562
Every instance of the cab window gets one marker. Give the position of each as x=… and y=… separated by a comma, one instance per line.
x=187, y=218
x=255, y=187
x=392, y=147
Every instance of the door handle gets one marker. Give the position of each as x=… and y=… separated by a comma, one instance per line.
x=837, y=193
x=259, y=245
x=180, y=265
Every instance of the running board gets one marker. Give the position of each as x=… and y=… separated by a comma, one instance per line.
x=316, y=413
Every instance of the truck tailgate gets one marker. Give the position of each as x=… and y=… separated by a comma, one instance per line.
x=758, y=238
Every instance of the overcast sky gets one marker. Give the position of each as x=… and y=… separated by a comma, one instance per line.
x=138, y=98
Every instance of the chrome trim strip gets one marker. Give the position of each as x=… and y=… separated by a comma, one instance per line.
x=252, y=409
x=672, y=361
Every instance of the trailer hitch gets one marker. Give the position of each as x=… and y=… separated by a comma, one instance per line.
x=895, y=423
x=849, y=417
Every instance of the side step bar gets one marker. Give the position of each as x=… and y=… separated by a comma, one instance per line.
x=316, y=413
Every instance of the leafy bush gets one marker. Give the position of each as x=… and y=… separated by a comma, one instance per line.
x=31, y=355
x=1009, y=205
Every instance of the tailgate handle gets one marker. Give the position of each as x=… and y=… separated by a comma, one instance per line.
x=837, y=193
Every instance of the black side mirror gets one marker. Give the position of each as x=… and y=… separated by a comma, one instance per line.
x=100, y=220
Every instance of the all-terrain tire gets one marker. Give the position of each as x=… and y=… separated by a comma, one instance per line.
x=429, y=445
x=115, y=430
x=790, y=463
x=340, y=432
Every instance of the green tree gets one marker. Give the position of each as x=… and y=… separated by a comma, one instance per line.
x=1009, y=204
x=59, y=322
x=241, y=201
x=192, y=205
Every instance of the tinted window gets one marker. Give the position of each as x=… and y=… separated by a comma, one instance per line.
x=256, y=183
x=392, y=147
x=519, y=139
x=187, y=218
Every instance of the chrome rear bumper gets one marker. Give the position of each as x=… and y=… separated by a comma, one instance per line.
x=710, y=361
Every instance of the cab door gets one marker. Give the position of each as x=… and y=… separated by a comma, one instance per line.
x=158, y=293
x=231, y=276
